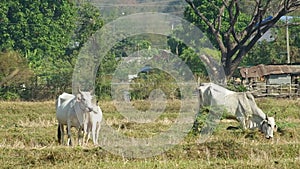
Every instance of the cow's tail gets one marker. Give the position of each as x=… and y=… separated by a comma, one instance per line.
x=59, y=133
x=58, y=102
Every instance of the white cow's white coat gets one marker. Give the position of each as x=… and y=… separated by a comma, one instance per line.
x=70, y=111
x=92, y=124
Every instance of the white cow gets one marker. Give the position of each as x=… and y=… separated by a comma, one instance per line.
x=240, y=104
x=92, y=124
x=70, y=111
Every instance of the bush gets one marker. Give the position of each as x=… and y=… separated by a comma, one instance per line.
x=9, y=96
x=154, y=80
x=14, y=73
x=236, y=88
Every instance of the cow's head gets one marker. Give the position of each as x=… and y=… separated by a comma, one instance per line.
x=204, y=95
x=85, y=99
x=268, y=126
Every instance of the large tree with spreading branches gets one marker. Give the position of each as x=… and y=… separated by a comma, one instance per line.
x=234, y=26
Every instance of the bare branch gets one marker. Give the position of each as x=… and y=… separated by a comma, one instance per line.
x=255, y=18
x=236, y=15
x=233, y=18
x=225, y=3
x=243, y=48
x=292, y=5
x=10, y=76
x=219, y=24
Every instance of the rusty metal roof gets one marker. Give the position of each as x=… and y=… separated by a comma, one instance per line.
x=263, y=70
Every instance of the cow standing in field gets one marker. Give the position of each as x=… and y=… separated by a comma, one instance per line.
x=92, y=124
x=241, y=104
x=70, y=111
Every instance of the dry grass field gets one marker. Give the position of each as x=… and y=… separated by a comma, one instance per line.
x=28, y=140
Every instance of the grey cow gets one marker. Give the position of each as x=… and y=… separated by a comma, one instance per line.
x=241, y=104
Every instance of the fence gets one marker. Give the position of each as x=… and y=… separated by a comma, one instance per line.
x=277, y=90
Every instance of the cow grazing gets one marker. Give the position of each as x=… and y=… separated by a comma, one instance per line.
x=92, y=124
x=70, y=111
x=241, y=104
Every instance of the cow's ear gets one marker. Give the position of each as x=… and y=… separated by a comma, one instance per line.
x=262, y=122
x=275, y=128
x=92, y=92
x=267, y=117
x=78, y=97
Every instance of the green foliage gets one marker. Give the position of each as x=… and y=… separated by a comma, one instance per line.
x=200, y=120
x=88, y=21
x=274, y=52
x=236, y=88
x=9, y=96
x=211, y=10
x=153, y=80
x=49, y=34
x=135, y=46
x=262, y=53
x=39, y=26
x=193, y=62
x=188, y=53
x=104, y=76
x=128, y=46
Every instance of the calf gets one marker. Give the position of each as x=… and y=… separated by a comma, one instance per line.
x=93, y=124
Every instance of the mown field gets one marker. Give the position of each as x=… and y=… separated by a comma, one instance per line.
x=28, y=140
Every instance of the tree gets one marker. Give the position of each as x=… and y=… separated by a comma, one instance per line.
x=233, y=32
x=88, y=21
x=48, y=34
x=44, y=26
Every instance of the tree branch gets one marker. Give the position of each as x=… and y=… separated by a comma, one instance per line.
x=233, y=16
x=236, y=15
x=219, y=23
x=10, y=76
x=245, y=48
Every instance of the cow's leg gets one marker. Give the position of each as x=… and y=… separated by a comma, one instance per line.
x=242, y=122
x=84, y=129
x=94, y=125
x=84, y=133
x=79, y=136
x=88, y=133
x=69, y=143
x=61, y=133
x=97, y=132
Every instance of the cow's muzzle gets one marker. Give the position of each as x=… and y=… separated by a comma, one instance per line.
x=269, y=137
x=89, y=109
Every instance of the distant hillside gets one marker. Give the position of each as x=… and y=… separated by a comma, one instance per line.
x=112, y=9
